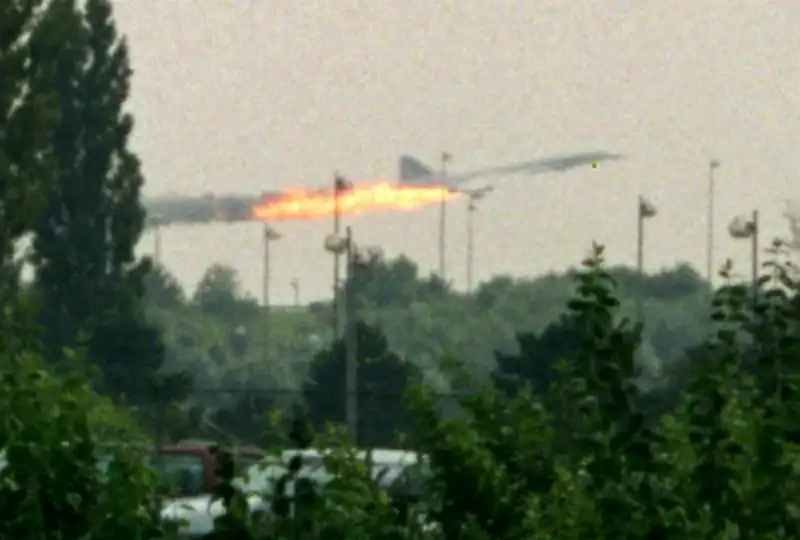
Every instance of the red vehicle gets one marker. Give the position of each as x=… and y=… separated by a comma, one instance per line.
x=191, y=466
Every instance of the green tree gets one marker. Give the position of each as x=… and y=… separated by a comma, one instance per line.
x=494, y=291
x=537, y=359
x=395, y=283
x=57, y=477
x=220, y=293
x=28, y=112
x=380, y=283
x=163, y=289
x=246, y=418
x=540, y=354
x=382, y=378
x=89, y=280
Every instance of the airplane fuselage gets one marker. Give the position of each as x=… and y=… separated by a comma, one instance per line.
x=413, y=172
x=174, y=209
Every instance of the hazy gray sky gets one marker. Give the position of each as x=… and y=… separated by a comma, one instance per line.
x=251, y=95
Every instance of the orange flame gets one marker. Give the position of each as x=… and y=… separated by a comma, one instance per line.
x=305, y=204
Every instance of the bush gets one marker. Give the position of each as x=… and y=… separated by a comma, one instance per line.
x=57, y=481
x=581, y=462
x=576, y=462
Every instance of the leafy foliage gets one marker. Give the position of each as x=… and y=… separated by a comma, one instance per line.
x=87, y=277
x=220, y=335
x=56, y=478
x=219, y=293
x=536, y=364
x=162, y=289
x=28, y=114
x=722, y=464
x=382, y=378
x=574, y=459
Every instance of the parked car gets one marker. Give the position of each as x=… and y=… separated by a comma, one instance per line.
x=190, y=466
x=197, y=513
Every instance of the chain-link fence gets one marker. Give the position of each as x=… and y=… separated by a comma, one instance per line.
x=258, y=416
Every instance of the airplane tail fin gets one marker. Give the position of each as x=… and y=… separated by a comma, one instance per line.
x=413, y=171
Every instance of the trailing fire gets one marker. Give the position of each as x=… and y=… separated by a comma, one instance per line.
x=302, y=204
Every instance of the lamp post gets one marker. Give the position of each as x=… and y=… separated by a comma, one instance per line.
x=156, y=223
x=792, y=215
x=473, y=196
x=270, y=235
x=646, y=210
x=340, y=185
x=741, y=228
x=713, y=165
x=157, y=241
x=295, y=284
x=445, y=159
x=344, y=245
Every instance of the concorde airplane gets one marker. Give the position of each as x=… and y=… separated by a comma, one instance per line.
x=414, y=172
x=174, y=209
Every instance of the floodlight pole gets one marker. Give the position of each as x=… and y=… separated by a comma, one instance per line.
x=157, y=222
x=473, y=196
x=470, y=240
x=295, y=284
x=754, y=255
x=351, y=341
x=270, y=235
x=640, y=261
x=338, y=182
x=713, y=165
x=646, y=210
x=749, y=230
x=445, y=159
x=157, y=241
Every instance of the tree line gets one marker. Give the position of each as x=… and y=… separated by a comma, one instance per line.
x=407, y=322
x=576, y=457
